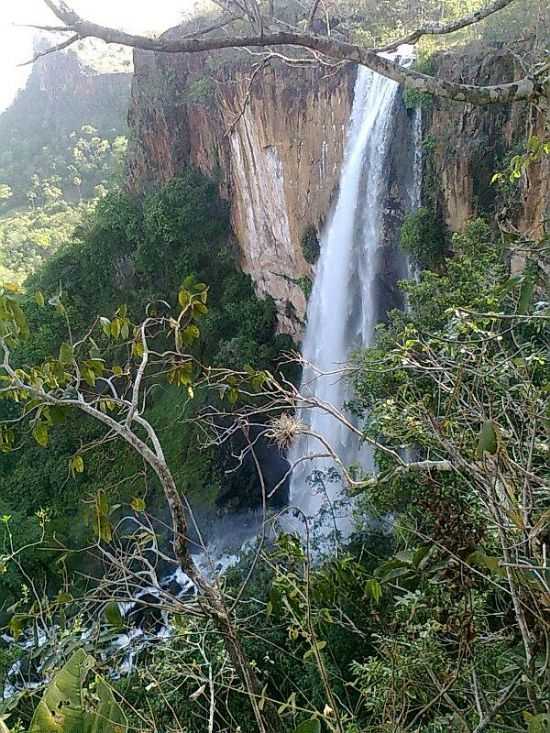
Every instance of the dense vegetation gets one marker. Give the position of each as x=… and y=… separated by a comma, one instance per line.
x=115, y=258
x=415, y=623
x=56, y=133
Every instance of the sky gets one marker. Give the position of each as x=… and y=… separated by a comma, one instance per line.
x=16, y=43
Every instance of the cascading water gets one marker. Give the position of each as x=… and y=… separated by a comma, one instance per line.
x=343, y=308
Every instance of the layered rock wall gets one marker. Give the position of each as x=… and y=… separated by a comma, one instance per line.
x=274, y=141
x=273, y=137
x=467, y=145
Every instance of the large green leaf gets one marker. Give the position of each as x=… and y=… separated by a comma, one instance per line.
x=487, y=442
x=69, y=707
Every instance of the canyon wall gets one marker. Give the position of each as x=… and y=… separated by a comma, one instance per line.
x=466, y=145
x=272, y=135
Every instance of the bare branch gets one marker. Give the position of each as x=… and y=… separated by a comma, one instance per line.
x=526, y=88
x=441, y=28
x=313, y=13
x=63, y=11
x=58, y=47
x=503, y=699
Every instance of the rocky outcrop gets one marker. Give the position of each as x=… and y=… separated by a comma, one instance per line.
x=466, y=145
x=271, y=135
x=61, y=96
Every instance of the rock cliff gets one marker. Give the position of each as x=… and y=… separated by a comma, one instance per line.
x=273, y=135
x=466, y=145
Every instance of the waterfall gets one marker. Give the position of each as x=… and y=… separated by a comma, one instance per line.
x=343, y=308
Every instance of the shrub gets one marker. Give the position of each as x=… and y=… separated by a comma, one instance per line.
x=423, y=237
x=310, y=245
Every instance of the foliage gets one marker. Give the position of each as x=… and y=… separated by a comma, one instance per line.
x=471, y=340
x=68, y=706
x=423, y=237
x=28, y=238
x=536, y=150
x=310, y=245
x=68, y=126
x=417, y=100
x=433, y=616
x=137, y=252
x=201, y=90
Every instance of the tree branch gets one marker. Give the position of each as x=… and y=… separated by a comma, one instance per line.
x=441, y=29
x=523, y=89
x=58, y=47
x=313, y=13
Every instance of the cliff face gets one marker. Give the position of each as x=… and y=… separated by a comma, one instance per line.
x=274, y=141
x=273, y=137
x=466, y=145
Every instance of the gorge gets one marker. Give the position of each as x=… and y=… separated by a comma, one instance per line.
x=273, y=440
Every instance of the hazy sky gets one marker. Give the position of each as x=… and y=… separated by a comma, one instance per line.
x=16, y=43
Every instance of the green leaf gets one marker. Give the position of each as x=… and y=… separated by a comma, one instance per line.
x=539, y=723
x=115, y=328
x=16, y=625
x=63, y=598
x=103, y=525
x=420, y=555
x=405, y=557
x=309, y=726
x=104, y=529
x=232, y=395
x=491, y=563
x=40, y=434
x=184, y=298
x=487, y=442
x=39, y=298
x=77, y=465
x=106, y=326
x=373, y=589
x=137, y=504
x=66, y=353
x=199, y=309
x=525, y=295
x=19, y=318
x=190, y=334
x=89, y=376
x=113, y=615
x=317, y=647
x=69, y=707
